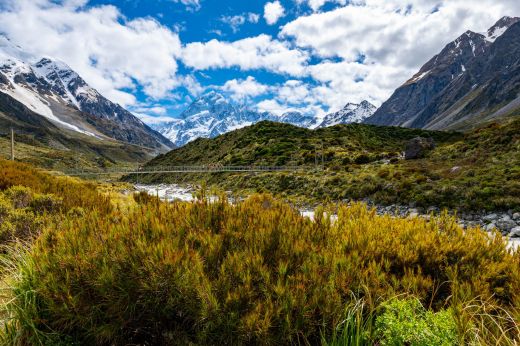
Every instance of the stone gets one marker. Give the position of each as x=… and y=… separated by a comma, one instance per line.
x=455, y=169
x=515, y=232
x=516, y=216
x=505, y=224
x=417, y=147
x=490, y=227
x=434, y=210
x=413, y=215
x=490, y=217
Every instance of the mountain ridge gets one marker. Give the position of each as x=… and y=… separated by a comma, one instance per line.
x=212, y=114
x=444, y=94
x=53, y=90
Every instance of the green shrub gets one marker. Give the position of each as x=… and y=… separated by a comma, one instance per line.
x=407, y=322
x=20, y=196
x=46, y=204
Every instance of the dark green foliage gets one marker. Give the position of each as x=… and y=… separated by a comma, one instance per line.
x=475, y=171
x=268, y=143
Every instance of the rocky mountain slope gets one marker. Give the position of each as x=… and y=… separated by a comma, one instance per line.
x=52, y=90
x=212, y=114
x=43, y=143
x=351, y=113
x=472, y=80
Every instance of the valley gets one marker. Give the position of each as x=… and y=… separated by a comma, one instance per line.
x=269, y=190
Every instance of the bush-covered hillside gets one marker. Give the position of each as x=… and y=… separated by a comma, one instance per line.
x=269, y=143
x=475, y=171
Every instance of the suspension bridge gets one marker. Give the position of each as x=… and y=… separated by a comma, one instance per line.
x=184, y=169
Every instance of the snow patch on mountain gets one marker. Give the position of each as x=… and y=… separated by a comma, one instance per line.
x=500, y=28
x=351, y=113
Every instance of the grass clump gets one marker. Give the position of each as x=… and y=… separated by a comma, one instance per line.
x=254, y=273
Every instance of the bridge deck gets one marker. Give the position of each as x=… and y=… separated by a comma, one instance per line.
x=188, y=169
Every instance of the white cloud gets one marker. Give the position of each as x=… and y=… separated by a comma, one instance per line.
x=243, y=89
x=152, y=119
x=192, y=85
x=273, y=11
x=253, y=17
x=260, y=52
x=108, y=51
x=271, y=106
x=191, y=5
x=157, y=110
x=392, y=38
x=235, y=22
x=315, y=5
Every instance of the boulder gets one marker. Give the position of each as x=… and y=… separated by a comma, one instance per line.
x=418, y=147
x=455, y=169
x=515, y=232
x=516, y=216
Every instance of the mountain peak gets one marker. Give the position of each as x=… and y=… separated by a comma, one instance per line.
x=351, y=113
x=51, y=89
x=500, y=27
x=211, y=97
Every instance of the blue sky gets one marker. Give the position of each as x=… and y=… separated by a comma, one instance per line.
x=155, y=56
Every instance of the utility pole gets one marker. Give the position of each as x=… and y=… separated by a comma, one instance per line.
x=12, y=144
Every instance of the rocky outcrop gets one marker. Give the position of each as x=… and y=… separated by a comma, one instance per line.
x=417, y=147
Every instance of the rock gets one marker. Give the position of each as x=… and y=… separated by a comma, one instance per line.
x=490, y=217
x=434, y=210
x=505, y=224
x=455, y=169
x=516, y=216
x=490, y=227
x=418, y=147
x=515, y=232
x=413, y=215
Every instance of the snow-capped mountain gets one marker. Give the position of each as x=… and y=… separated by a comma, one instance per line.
x=50, y=88
x=208, y=116
x=212, y=114
x=473, y=79
x=351, y=113
x=297, y=119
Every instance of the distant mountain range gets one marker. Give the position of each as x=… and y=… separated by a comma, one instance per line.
x=212, y=114
x=50, y=94
x=474, y=79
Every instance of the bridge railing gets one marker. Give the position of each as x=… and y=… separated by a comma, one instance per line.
x=185, y=169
